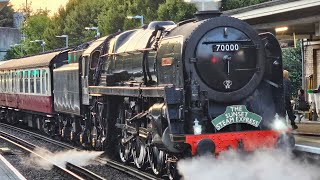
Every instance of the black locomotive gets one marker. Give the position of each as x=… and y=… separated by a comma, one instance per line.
x=164, y=92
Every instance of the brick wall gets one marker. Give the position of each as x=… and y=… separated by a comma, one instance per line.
x=317, y=56
x=312, y=67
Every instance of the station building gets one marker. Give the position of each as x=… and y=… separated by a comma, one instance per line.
x=9, y=36
x=290, y=20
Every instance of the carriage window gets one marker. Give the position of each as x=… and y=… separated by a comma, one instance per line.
x=5, y=83
x=21, y=81
x=1, y=86
x=43, y=78
x=94, y=59
x=14, y=82
x=31, y=75
x=17, y=81
x=2, y=83
x=47, y=83
x=10, y=82
x=26, y=82
x=37, y=75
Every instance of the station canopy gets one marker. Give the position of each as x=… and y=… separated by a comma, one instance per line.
x=286, y=18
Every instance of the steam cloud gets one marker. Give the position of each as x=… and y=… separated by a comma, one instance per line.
x=80, y=158
x=264, y=164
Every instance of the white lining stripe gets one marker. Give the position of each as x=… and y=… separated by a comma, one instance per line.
x=309, y=149
x=13, y=169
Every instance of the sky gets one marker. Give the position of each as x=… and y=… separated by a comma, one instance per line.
x=52, y=5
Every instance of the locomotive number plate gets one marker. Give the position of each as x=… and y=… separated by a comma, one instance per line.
x=225, y=47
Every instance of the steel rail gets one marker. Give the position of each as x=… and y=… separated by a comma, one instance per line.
x=128, y=170
x=111, y=163
x=83, y=172
x=39, y=136
x=71, y=170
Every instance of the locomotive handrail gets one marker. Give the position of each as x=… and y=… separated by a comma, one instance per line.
x=248, y=69
x=129, y=52
x=272, y=83
x=211, y=42
x=129, y=91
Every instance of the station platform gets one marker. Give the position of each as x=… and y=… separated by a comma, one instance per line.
x=8, y=172
x=308, y=127
x=308, y=136
x=309, y=144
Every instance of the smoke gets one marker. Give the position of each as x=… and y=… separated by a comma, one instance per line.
x=263, y=164
x=279, y=124
x=80, y=158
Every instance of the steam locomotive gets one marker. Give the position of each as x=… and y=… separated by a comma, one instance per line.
x=157, y=94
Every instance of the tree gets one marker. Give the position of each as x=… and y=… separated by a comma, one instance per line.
x=85, y=14
x=108, y=15
x=14, y=53
x=147, y=8
x=55, y=28
x=34, y=29
x=234, y=4
x=112, y=20
x=114, y=14
x=291, y=58
x=6, y=16
x=176, y=10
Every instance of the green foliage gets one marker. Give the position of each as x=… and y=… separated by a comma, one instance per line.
x=291, y=58
x=234, y=4
x=112, y=17
x=85, y=14
x=34, y=29
x=176, y=10
x=109, y=15
x=114, y=14
x=55, y=28
x=6, y=16
x=14, y=53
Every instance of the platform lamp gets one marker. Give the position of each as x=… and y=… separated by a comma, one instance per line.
x=42, y=43
x=67, y=39
x=137, y=17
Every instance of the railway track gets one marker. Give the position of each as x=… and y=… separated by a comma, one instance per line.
x=71, y=171
x=76, y=169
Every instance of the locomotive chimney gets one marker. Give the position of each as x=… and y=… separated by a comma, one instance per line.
x=202, y=15
x=206, y=8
